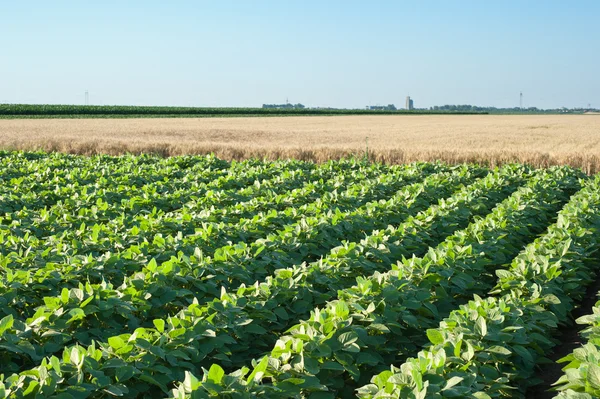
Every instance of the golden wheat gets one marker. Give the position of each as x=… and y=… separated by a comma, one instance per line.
x=539, y=140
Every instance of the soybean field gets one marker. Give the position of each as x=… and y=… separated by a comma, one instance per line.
x=195, y=277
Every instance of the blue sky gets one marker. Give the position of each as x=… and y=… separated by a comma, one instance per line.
x=320, y=53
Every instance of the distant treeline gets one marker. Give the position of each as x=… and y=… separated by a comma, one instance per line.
x=31, y=110
x=514, y=110
x=284, y=106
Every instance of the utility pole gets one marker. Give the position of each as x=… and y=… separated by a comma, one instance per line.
x=521, y=100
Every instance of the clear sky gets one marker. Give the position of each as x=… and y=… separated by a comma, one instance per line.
x=342, y=53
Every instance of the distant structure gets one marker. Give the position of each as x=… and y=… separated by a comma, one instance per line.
x=389, y=107
x=521, y=100
x=87, y=98
x=287, y=105
x=409, y=103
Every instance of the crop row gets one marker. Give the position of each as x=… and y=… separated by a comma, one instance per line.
x=288, y=279
x=45, y=181
x=212, y=227
x=206, y=204
x=582, y=370
x=488, y=348
x=383, y=318
x=24, y=294
x=97, y=202
x=209, y=331
x=87, y=209
x=158, y=279
x=208, y=318
x=200, y=186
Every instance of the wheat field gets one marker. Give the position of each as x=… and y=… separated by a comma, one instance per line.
x=540, y=140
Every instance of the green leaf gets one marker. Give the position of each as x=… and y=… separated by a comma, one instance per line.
x=593, y=376
x=435, y=336
x=500, y=350
x=332, y=366
x=367, y=358
x=258, y=371
x=481, y=326
x=503, y=274
x=452, y=382
x=259, y=250
x=159, y=324
x=348, y=338
x=75, y=357
x=113, y=390
x=523, y=353
x=281, y=313
x=470, y=353
x=150, y=379
x=6, y=323
x=76, y=314
x=64, y=295
x=31, y=388
x=116, y=342
x=379, y=327
x=553, y=299
x=124, y=373
x=457, y=348
x=215, y=374
x=341, y=309
x=255, y=329
x=55, y=363
x=86, y=302
x=190, y=382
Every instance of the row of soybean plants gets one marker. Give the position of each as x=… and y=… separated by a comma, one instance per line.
x=29, y=261
x=20, y=228
x=143, y=227
x=222, y=322
x=390, y=182
x=22, y=295
x=383, y=319
x=105, y=194
x=19, y=240
x=211, y=229
x=490, y=346
x=29, y=300
x=581, y=378
x=304, y=241
x=101, y=191
x=42, y=181
x=158, y=352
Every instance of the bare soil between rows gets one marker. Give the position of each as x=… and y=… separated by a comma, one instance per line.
x=570, y=340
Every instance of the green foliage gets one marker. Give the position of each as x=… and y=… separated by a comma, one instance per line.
x=533, y=295
x=582, y=369
x=194, y=277
x=383, y=318
x=32, y=110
